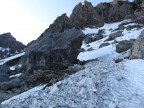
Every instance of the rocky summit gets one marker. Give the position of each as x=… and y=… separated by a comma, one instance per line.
x=9, y=45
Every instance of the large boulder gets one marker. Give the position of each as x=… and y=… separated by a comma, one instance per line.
x=124, y=45
x=10, y=84
x=4, y=69
x=137, y=51
x=114, y=35
x=54, y=50
x=85, y=15
x=4, y=77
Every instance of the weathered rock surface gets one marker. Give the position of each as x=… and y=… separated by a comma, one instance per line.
x=104, y=44
x=124, y=45
x=137, y=51
x=115, y=12
x=54, y=51
x=114, y=35
x=4, y=77
x=4, y=69
x=85, y=15
x=8, y=41
x=60, y=24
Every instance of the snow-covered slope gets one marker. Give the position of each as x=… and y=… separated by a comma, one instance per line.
x=102, y=84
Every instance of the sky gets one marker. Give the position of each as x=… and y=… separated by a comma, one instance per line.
x=27, y=19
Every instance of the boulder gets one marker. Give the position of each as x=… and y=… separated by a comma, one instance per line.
x=54, y=50
x=89, y=38
x=124, y=45
x=114, y=35
x=103, y=45
x=85, y=15
x=10, y=84
x=4, y=77
x=4, y=69
x=137, y=50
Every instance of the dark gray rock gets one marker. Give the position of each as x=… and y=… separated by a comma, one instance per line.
x=54, y=51
x=2, y=96
x=85, y=15
x=137, y=50
x=4, y=77
x=114, y=35
x=130, y=27
x=124, y=45
x=89, y=38
x=61, y=24
x=8, y=41
x=4, y=69
x=10, y=84
x=115, y=12
x=121, y=26
x=103, y=45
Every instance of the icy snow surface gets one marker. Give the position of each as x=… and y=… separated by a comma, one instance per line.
x=11, y=58
x=102, y=84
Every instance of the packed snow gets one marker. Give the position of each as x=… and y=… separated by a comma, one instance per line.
x=101, y=84
x=11, y=58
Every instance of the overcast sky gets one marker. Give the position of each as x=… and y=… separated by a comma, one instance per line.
x=27, y=19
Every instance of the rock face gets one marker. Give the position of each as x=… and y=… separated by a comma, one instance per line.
x=137, y=51
x=54, y=50
x=9, y=45
x=115, y=12
x=124, y=45
x=60, y=24
x=85, y=15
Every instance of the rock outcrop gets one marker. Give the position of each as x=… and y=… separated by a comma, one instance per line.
x=61, y=24
x=115, y=12
x=137, y=51
x=85, y=15
x=54, y=50
x=9, y=45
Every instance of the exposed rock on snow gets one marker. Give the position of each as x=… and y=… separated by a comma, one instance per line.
x=124, y=45
x=114, y=35
x=54, y=51
x=137, y=51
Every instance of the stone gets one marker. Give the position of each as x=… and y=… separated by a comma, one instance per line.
x=61, y=24
x=4, y=77
x=85, y=15
x=137, y=50
x=89, y=38
x=10, y=84
x=103, y=45
x=53, y=51
x=114, y=35
x=130, y=27
x=124, y=45
x=4, y=69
